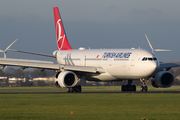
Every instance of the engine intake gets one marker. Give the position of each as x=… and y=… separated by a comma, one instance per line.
x=163, y=79
x=65, y=79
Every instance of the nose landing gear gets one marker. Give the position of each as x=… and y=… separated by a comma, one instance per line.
x=130, y=87
x=144, y=87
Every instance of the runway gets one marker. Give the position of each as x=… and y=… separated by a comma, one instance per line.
x=149, y=92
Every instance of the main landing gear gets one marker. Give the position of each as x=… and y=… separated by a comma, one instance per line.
x=144, y=87
x=128, y=87
x=76, y=88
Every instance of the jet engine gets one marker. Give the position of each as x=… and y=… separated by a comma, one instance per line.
x=163, y=79
x=65, y=79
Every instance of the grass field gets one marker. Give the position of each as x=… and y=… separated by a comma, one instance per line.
x=84, y=89
x=97, y=106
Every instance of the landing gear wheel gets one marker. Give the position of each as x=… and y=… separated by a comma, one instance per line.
x=134, y=88
x=70, y=90
x=128, y=87
x=144, y=88
x=76, y=88
x=123, y=88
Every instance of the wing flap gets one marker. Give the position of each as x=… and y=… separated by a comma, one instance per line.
x=88, y=69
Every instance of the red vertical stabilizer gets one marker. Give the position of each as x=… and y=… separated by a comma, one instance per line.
x=62, y=41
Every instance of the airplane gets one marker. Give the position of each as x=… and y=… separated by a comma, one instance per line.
x=101, y=65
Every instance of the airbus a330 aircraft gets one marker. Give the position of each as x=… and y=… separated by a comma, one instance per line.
x=99, y=64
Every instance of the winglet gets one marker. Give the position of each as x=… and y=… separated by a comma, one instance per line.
x=62, y=41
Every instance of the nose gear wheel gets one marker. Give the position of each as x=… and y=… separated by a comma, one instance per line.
x=144, y=87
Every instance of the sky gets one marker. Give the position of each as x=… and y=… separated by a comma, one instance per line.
x=91, y=24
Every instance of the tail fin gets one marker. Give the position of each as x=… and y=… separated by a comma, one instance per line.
x=62, y=41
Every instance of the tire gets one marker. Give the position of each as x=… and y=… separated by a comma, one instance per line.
x=68, y=90
x=127, y=88
x=123, y=88
x=71, y=90
x=134, y=88
x=142, y=88
x=146, y=88
x=78, y=88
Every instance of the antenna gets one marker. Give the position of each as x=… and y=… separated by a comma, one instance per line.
x=7, y=48
x=152, y=47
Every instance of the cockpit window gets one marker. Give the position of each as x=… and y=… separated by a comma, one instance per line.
x=155, y=59
x=149, y=59
x=144, y=59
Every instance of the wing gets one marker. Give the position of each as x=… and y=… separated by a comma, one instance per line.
x=32, y=53
x=49, y=65
x=29, y=63
x=169, y=65
x=169, y=61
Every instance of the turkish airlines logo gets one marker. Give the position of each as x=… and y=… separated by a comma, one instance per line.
x=60, y=35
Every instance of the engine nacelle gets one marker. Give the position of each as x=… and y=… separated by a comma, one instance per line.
x=163, y=79
x=65, y=79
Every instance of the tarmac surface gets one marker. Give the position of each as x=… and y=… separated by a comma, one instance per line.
x=154, y=92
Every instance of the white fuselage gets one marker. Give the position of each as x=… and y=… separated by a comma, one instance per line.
x=119, y=64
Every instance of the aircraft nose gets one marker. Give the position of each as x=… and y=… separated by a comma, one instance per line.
x=152, y=68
